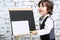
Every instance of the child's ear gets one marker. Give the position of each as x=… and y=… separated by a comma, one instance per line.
x=49, y=10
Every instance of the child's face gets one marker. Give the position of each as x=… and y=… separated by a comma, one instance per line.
x=43, y=9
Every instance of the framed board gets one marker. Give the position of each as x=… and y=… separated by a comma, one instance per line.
x=21, y=16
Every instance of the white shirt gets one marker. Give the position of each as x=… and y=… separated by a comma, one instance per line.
x=48, y=26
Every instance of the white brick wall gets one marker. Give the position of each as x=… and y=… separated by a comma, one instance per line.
x=5, y=26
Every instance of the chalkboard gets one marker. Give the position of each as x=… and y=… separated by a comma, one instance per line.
x=22, y=15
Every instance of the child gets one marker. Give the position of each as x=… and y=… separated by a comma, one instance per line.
x=46, y=31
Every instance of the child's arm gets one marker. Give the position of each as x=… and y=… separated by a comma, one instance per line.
x=46, y=30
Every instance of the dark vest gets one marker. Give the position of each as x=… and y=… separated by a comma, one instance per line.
x=47, y=36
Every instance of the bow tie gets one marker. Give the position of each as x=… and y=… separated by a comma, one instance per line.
x=41, y=18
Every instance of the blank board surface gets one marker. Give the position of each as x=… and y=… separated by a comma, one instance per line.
x=23, y=15
x=20, y=27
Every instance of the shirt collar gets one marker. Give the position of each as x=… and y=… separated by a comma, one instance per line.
x=46, y=16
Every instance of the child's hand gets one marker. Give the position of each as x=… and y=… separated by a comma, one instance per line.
x=34, y=32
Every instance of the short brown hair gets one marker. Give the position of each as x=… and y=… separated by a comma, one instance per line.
x=49, y=5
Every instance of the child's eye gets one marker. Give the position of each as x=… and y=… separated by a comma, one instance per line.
x=39, y=6
x=43, y=6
